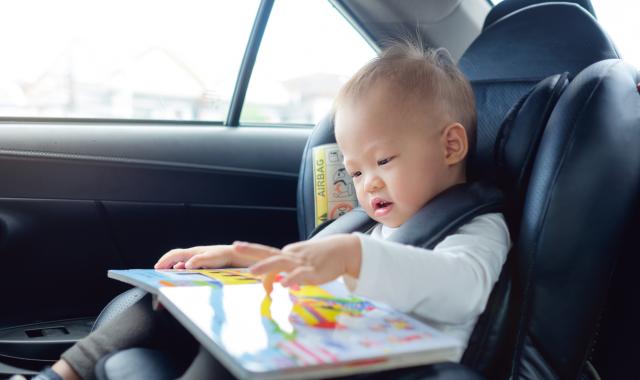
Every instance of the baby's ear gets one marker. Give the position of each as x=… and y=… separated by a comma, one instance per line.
x=455, y=142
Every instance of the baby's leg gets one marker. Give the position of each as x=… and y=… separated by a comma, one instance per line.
x=137, y=326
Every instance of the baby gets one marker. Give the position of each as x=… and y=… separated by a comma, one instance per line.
x=405, y=123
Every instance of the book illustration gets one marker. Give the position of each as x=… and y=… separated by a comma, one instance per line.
x=297, y=328
x=231, y=276
x=314, y=306
x=333, y=187
x=342, y=184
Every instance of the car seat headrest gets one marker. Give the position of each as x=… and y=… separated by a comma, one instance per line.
x=507, y=7
x=518, y=51
x=536, y=42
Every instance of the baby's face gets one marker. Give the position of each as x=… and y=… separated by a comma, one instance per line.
x=396, y=157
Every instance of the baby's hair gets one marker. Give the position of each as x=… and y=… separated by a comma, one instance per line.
x=428, y=76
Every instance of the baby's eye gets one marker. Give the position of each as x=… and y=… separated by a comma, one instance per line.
x=385, y=161
x=355, y=174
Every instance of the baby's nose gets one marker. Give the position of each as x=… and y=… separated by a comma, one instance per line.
x=374, y=183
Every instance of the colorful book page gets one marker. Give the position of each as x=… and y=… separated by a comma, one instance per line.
x=296, y=331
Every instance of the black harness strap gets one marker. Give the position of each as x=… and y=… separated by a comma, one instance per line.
x=442, y=216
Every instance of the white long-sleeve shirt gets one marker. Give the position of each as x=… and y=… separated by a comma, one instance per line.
x=448, y=286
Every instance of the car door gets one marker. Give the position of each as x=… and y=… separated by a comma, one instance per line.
x=118, y=148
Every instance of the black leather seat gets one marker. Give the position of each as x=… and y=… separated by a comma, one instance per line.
x=511, y=55
x=507, y=7
x=584, y=184
x=570, y=309
x=516, y=48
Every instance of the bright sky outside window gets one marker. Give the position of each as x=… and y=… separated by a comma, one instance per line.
x=142, y=59
x=619, y=19
x=308, y=51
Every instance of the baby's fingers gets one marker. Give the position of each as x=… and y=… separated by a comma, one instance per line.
x=300, y=276
x=259, y=251
x=211, y=259
x=171, y=258
x=275, y=264
x=246, y=254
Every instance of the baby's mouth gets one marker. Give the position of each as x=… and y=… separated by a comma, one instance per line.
x=381, y=207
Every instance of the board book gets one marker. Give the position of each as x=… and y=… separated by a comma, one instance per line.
x=301, y=332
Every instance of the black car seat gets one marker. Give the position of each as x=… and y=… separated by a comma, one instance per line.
x=612, y=354
x=581, y=199
x=510, y=56
x=506, y=7
x=513, y=52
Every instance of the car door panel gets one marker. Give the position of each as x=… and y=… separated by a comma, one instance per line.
x=77, y=200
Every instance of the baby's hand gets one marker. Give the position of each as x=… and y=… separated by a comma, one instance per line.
x=314, y=262
x=213, y=256
x=210, y=256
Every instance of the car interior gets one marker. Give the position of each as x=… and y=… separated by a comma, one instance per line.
x=558, y=125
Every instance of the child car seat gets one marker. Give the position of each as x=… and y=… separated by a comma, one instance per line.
x=583, y=185
x=508, y=58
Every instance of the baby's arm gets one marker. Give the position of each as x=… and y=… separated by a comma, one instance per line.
x=214, y=256
x=450, y=283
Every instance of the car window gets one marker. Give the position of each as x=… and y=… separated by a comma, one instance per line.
x=308, y=51
x=143, y=59
x=619, y=17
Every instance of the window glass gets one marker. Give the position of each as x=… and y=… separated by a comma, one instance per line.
x=308, y=51
x=619, y=18
x=142, y=59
